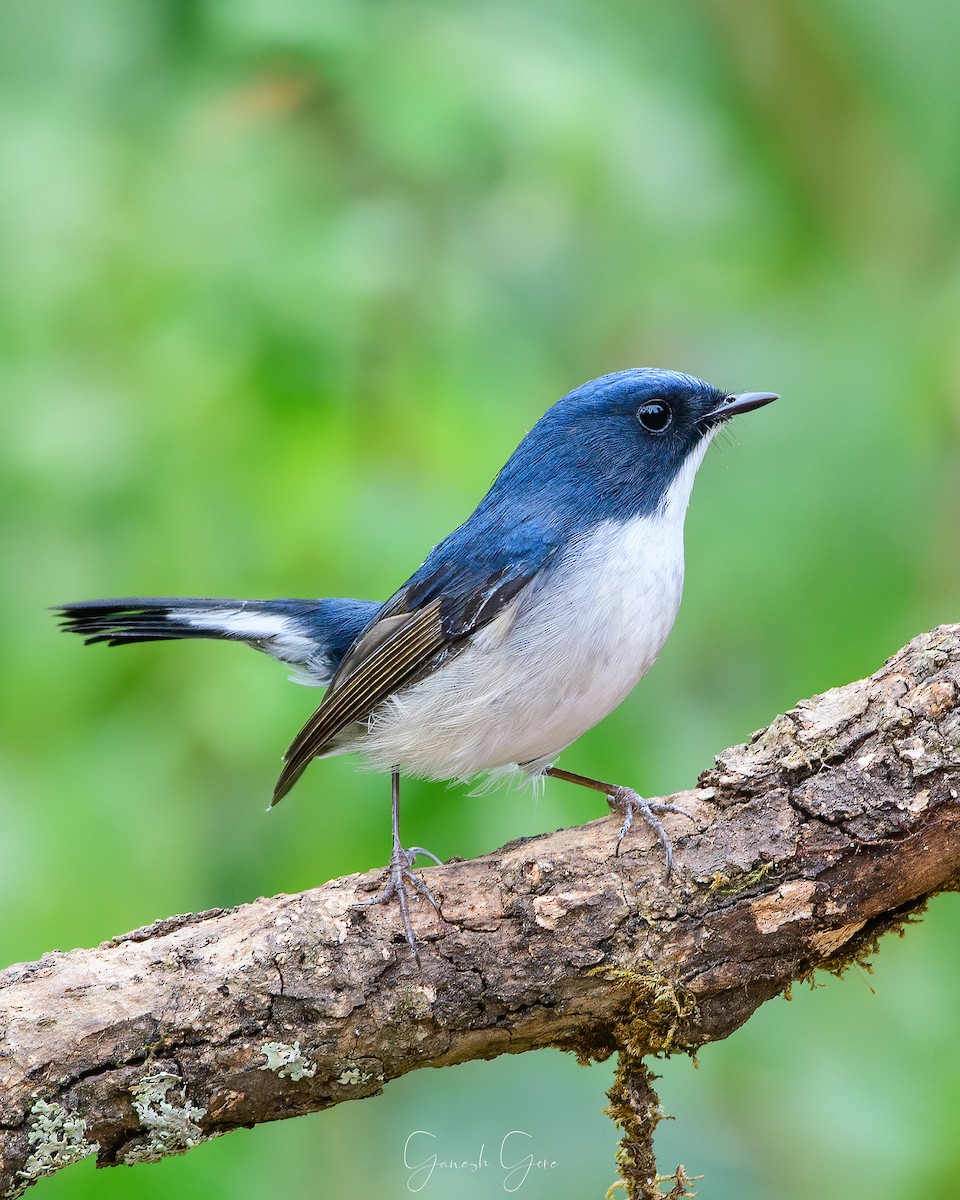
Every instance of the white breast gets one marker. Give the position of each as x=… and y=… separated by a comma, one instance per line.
x=551, y=665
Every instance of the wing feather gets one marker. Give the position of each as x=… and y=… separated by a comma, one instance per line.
x=456, y=592
x=353, y=698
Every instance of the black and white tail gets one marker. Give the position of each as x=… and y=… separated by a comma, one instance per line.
x=311, y=635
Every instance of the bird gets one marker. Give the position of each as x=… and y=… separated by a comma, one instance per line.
x=520, y=631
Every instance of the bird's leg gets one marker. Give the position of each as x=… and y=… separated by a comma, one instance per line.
x=399, y=873
x=626, y=801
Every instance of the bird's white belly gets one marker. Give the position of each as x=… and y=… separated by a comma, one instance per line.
x=549, y=667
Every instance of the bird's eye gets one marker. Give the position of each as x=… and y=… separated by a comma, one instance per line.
x=655, y=416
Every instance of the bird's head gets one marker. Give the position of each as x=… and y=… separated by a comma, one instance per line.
x=648, y=425
x=617, y=444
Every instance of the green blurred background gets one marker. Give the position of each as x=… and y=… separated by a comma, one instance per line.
x=283, y=283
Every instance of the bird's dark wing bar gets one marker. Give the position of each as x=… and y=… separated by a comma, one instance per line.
x=353, y=698
x=461, y=614
x=392, y=650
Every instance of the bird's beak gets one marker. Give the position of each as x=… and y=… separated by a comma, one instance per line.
x=740, y=403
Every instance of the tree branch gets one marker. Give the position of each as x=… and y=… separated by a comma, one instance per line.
x=831, y=826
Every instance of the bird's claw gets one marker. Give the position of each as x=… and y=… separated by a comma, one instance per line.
x=399, y=876
x=625, y=800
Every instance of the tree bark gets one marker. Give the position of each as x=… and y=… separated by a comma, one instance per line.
x=831, y=826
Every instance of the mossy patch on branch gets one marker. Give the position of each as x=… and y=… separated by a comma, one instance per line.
x=654, y=1014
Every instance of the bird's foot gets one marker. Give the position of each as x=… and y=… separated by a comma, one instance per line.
x=399, y=876
x=628, y=802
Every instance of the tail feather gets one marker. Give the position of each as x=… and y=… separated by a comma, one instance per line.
x=312, y=635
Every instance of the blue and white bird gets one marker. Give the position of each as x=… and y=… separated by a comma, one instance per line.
x=526, y=626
